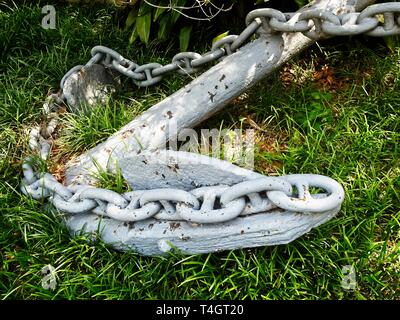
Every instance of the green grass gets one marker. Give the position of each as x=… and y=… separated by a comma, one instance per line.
x=352, y=135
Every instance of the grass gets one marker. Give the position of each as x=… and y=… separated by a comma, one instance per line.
x=350, y=132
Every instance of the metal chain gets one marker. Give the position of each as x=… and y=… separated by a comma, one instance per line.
x=376, y=20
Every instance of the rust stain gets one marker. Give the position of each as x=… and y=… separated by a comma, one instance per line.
x=212, y=95
x=174, y=225
x=168, y=115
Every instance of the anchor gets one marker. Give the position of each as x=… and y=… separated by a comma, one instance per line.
x=183, y=200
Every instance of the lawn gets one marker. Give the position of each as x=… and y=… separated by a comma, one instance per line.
x=333, y=111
